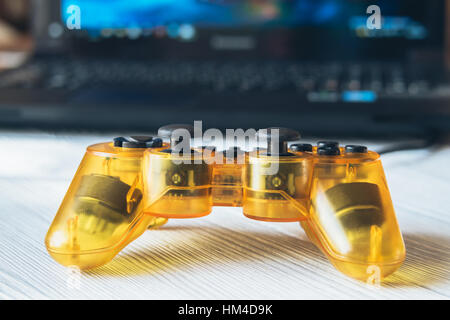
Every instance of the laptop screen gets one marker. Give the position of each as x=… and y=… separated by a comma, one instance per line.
x=282, y=28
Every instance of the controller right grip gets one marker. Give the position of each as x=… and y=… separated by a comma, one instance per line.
x=354, y=224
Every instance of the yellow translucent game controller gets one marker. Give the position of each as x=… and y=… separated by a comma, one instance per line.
x=339, y=195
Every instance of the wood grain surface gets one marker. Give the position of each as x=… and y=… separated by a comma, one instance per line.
x=221, y=256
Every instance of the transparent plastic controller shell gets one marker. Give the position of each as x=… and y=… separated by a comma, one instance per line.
x=341, y=201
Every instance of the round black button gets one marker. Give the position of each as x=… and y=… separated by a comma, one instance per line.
x=355, y=149
x=328, y=151
x=301, y=147
x=322, y=144
x=138, y=142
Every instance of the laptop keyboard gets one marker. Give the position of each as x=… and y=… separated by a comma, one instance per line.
x=318, y=82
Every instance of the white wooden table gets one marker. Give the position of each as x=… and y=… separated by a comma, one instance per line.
x=221, y=256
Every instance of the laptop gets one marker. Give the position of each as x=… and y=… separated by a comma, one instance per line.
x=323, y=67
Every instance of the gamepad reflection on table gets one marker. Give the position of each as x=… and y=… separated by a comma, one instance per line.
x=339, y=195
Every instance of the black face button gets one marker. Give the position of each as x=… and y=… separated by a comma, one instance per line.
x=138, y=142
x=301, y=147
x=355, y=149
x=322, y=144
x=328, y=151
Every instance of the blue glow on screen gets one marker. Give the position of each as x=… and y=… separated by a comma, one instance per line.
x=99, y=14
x=359, y=96
x=180, y=18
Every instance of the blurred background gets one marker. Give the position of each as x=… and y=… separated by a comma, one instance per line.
x=313, y=65
x=135, y=65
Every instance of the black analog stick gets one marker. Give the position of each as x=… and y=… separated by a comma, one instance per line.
x=323, y=144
